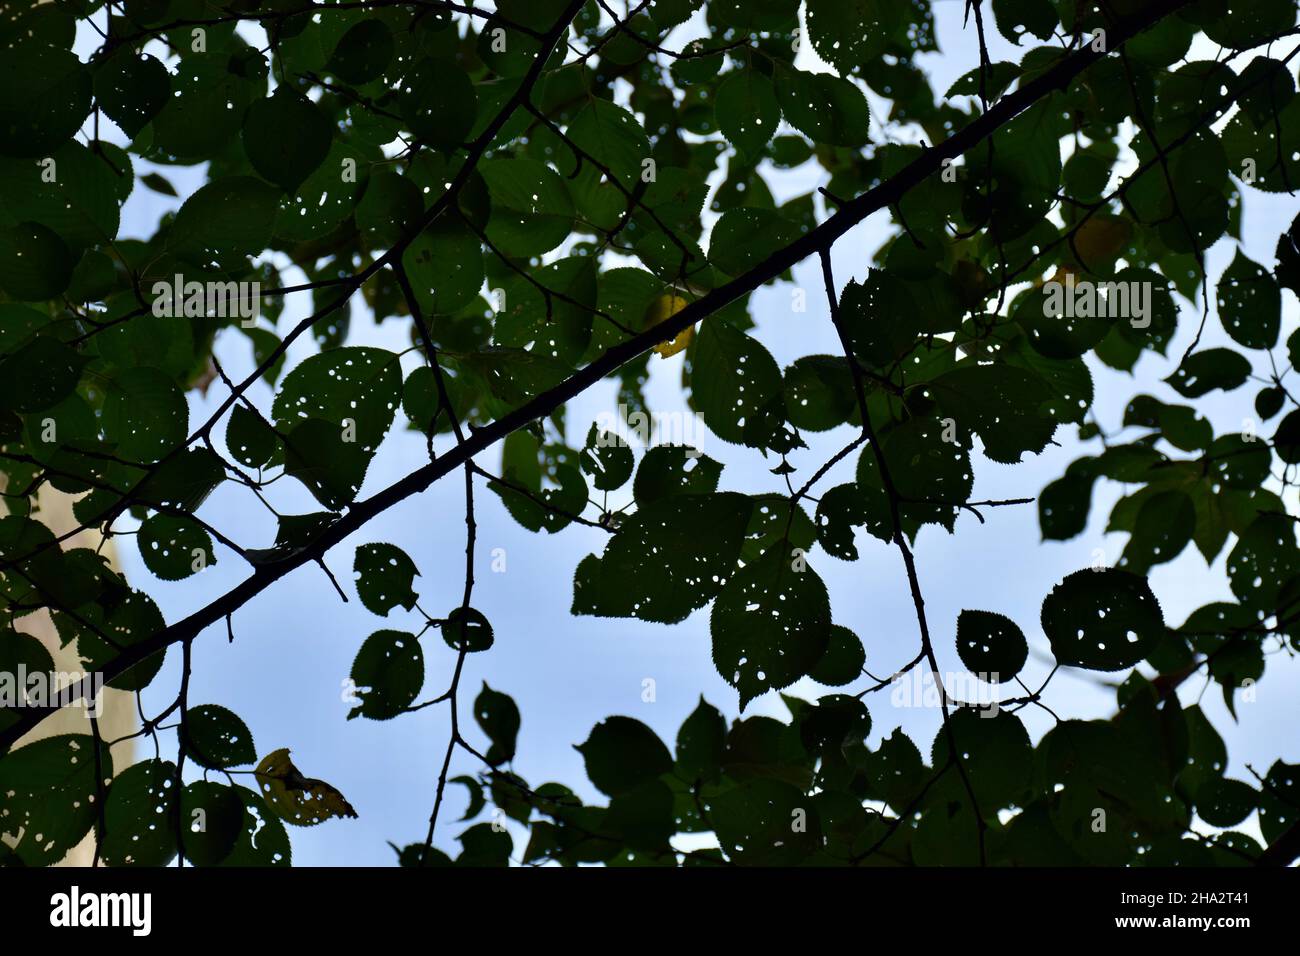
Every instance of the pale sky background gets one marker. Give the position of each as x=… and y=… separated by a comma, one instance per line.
x=295, y=644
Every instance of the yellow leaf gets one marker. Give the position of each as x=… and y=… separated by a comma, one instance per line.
x=298, y=799
x=661, y=310
x=1063, y=272
x=1100, y=240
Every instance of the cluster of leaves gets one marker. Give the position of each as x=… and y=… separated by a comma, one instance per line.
x=811, y=792
x=526, y=189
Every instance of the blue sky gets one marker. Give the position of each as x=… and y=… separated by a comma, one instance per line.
x=295, y=644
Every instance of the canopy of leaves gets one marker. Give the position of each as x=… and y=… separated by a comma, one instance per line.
x=551, y=196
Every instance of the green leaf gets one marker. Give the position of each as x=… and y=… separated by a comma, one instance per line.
x=225, y=221
x=39, y=375
x=754, y=823
x=210, y=93
x=173, y=547
x=1208, y=369
x=532, y=211
x=771, y=624
x=840, y=509
x=607, y=459
x=384, y=575
x=621, y=754
x=484, y=845
x=1279, y=800
x=184, y=480
x=612, y=137
x=1177, y=424
x=1239, y=461
x=390, y=206
x=701, y=741
x=286, y=137
x=145, y=414
x=747, y=111
x=997, y=77
x=667, y=470
x=498, y=718
x=669, y=13
x=776, y=522
x=1025, y=162
x=884, y=315
x=849, y=34
x=44, y=98
x=1250, y=25
x=262, y=840
x=1164, y=526
x=388, y=673
x=1053, y=326
x=1102, y=618
x=35, y=264
x=364, y=52
x=1001, y=404
x=217, y=738
x=991, y=645
x=48, y=24
x=1015, y=18
x=250, y=438
x=1064, y=504
x=698, y=64
x=1222, y=802
x=557, y=328
x=843, y=660
x=824, y=107
x=212, y=820
x=439, y=103
x=158, y=184
x=745, y=238
x=476, y=799
x=139, y=815
x=324, y=201
x=522, y=493
x=445, y=266
x=733, y=379
x=20, y=651
x=468, y=630
x=819, y=392
x=668, y=559
x=320, y=455
x=1265, y=556
x=1269, y=401
x=1250, y=304
x=132, y=88
x=50, y=788
x=1286, y=440
x=1187, y=206
x=995, y=752
x=356, y=388
x=755, y=15
x=929, y=465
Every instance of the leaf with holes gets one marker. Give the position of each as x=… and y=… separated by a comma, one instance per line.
x=991, y=645
x=1102, y=619
x=384, y=576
